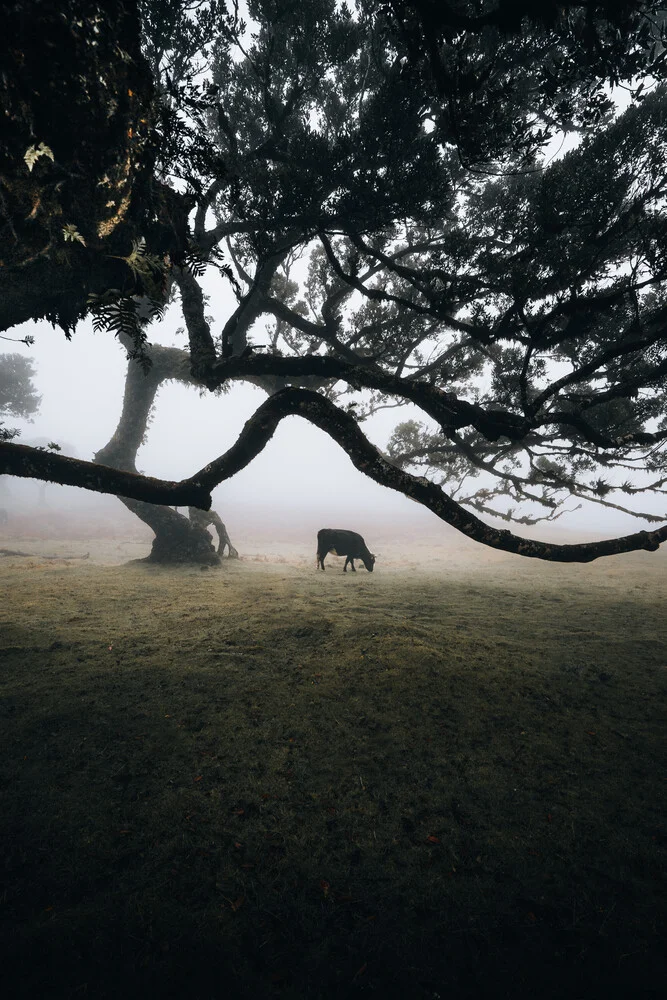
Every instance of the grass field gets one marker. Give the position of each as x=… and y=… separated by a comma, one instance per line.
x=444, y=779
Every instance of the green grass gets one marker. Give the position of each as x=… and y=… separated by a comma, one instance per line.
x=267, y=782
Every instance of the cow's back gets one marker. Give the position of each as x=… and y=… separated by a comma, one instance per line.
x=340, y=541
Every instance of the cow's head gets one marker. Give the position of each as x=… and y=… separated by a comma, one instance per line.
x=369, y=563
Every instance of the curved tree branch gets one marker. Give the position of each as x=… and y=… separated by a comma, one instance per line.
x=446, y=408
x=345, y=431
x=379, y=295
x=31, y=463
x=343, y=428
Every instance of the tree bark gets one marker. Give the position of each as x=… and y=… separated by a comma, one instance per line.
x=34, y=463
x=343, y=428
x=178, y=539
x=206, y=518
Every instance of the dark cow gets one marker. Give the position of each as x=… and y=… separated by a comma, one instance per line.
x=343, y=543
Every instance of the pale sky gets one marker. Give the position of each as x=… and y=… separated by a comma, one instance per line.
x=81, y=382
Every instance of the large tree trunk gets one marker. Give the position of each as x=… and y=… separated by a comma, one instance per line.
x=178, y=539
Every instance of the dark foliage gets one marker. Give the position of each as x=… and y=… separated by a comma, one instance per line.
x=396, y=150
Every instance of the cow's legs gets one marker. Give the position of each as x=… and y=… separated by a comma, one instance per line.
x=320, y=560
x=349, y=560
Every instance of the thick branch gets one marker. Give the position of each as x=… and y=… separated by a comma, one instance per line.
x=251, y=306
x=31, y=463
x=449, y=411
x=641, y=438
x=202, y=349
x=140, y=390
x=258, y=431
x=344, y=429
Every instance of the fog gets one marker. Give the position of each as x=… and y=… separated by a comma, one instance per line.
x=301, y=478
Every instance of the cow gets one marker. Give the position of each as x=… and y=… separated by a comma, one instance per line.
x=343, y=543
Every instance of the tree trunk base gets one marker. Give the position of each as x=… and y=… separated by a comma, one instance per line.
x=176, y=552
x=178, y=540
x=209, y=519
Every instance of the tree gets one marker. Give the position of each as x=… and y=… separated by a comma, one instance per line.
x=519, y=304
x=18, y=397
x=79, y=196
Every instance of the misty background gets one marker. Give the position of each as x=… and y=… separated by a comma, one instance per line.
x=301, y=477
x=300, y=482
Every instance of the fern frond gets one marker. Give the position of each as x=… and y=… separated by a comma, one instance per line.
x=196, y=261
x=118, y=315
x=71, y=233
x=33, y=153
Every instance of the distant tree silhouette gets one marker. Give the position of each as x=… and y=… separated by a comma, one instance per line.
x=18, y=397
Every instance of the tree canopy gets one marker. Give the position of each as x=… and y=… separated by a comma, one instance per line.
x=371, y=178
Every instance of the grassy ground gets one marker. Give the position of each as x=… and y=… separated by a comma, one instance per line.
x=441, y=780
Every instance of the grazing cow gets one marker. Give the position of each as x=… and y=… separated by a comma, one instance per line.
x=343, y=543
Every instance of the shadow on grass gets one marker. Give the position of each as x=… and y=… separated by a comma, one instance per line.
x=297, y=806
